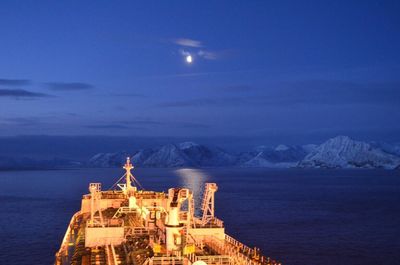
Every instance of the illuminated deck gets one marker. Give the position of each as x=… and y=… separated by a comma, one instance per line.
x=132, y=226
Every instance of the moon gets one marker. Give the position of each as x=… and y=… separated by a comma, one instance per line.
x=189, y=59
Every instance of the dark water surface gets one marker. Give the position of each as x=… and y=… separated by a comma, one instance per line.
x=296, y=216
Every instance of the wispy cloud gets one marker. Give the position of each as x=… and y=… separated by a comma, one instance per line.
x=198, y=102
x=207, y=55
x=237, y=88
x=146, y=122
x=147, y=125
x=109, y=126
x=192, y=125
x=185, y=53
x=142, y=122
x=66, y=86
x=202, y=102
x=188, y=42
x=129, y=95
x=21, y=94
x=203, y=54
x=23, y=121
x=196, y=74
x=152, y=123
x=14, y=82
x=195, y=48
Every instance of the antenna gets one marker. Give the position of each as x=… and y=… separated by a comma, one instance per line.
x=130, y=183
x=128, y=167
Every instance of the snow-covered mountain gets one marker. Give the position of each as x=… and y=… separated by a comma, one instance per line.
x=187, y=154
x=284, y=153
x=282, y=156
x=169, y=156
x=393, y=149
x=108, y=159
x=207, y=156
x=338, y=152
x=141, y=156
x=344, y=152
x=260, y=161
x=308, y=148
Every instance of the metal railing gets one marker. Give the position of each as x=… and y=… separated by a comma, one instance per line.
x=136, y=231
x=108, y=223
x=239, y=252
x=167, y=261
x=66, y=239
x=214, y=260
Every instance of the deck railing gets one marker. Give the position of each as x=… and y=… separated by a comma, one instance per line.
x=65, y=242
x=239, y=252
x=167, y=261
x=214, y=260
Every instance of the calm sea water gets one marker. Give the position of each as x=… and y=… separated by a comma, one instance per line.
x=295, y=216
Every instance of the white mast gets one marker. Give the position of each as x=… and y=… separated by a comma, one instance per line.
x=128, y=167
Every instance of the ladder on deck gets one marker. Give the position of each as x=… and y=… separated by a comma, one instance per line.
x=208, y=203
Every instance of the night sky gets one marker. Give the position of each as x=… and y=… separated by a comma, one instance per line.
x=302, y=70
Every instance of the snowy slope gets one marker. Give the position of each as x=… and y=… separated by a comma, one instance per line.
x=187, y=154
x=343, y=152
x=284, y=153
x=281, y=156
x=308, y=148
x=207, y=156
x=338, y=152
x=169, y=156
x=141, y=156
x=108, y=159
x=260, y=161
x=393, y=149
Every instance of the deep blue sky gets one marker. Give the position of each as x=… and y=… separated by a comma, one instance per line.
x=298, y=69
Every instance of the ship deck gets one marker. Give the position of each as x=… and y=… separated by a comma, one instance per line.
x=140, y=227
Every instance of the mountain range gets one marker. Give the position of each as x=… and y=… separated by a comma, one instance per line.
x=337, y=152
x=187, y=154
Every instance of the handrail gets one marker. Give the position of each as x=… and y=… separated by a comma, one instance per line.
x=108, y=254
x=167, y=260
x=114, y=254
x=68, y=233
x=238, y=244
x=221, y=259
x=238, y=251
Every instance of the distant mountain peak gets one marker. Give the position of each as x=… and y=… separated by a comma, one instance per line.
x=281, y=147
x=186, y=145
x=168, y=156
x=341, y=138
x=344, y=152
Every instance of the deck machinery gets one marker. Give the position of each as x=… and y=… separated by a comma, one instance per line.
x=130, y=225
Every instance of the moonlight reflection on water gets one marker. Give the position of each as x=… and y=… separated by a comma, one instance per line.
x=193, y=179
